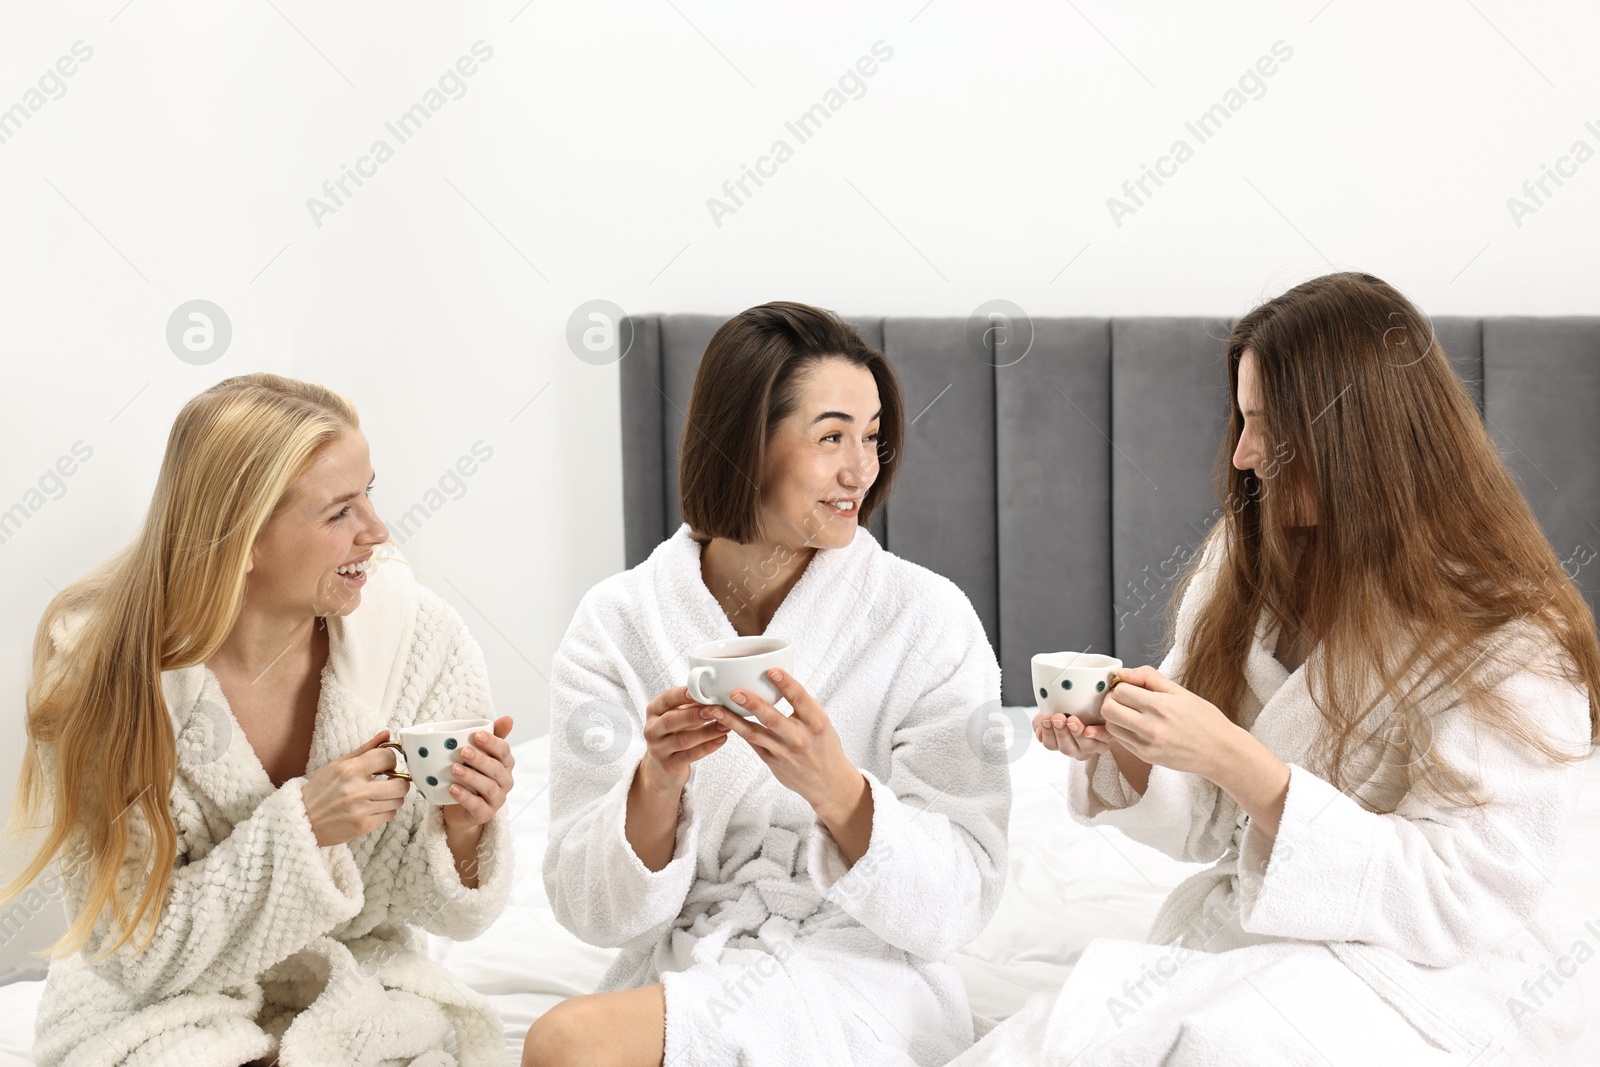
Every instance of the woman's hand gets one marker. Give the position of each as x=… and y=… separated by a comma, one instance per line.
x=344, y=801
x=1161, y=722
x=1069, y=735
x=804, y=752
x=676, y=734
x=482, y=778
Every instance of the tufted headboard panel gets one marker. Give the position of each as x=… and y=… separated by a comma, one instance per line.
x=1063, y=490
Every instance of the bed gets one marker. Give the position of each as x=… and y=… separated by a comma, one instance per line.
x=1068, y=884
x=1127, y=412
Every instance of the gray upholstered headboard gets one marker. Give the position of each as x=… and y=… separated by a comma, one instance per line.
x=1063, y=491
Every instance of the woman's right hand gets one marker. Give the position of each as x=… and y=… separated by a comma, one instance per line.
x=1068, y=734
x=676, y=734
x=344, y=800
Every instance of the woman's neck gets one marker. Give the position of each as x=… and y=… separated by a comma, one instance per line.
x=750, y=581
x=257, y=644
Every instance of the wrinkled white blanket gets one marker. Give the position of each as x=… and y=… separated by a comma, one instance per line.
x=770, y=952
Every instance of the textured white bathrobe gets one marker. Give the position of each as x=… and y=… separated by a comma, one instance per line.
x=269, y=943
x=769, y=951
x=1358, y=937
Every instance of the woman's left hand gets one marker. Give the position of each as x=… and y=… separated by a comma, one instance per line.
x=482, y=778
x=803, y=750
x=1163, y=723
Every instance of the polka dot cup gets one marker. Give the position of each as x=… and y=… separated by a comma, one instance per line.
x=431, y=749
x=1073, y=683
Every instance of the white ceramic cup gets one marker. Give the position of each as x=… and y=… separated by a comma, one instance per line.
x=431, y=749
x=717, y=668
x=1073, y=683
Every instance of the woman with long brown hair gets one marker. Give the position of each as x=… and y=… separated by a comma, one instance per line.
x=1371, y=725
x=205, y=711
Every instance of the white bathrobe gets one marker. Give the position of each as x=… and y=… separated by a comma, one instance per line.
x=1358, y=937
x=770, y=952
x=269, y=943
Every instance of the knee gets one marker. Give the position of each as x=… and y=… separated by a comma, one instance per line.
x=556, y=1038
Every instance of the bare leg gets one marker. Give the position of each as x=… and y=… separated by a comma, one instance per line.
x=627, y=1028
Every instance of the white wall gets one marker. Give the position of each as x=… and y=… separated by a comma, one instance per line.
x=976, y=164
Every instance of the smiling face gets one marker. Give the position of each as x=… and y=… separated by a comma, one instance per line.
x=822, y=458
x=325, y=521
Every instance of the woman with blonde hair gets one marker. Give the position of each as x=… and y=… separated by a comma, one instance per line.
x=1372, y=726
x=244, y=880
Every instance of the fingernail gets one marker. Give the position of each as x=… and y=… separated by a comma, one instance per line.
x=480, y=737
x=776, y=674
x=705, y=713
x=457, y=770
x=740, y=699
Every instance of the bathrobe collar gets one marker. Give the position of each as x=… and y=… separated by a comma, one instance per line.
x=684, y=613
x=360, y=688
x=1264, y=674
x=836, y=582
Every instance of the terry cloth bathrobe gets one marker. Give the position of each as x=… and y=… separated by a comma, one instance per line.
x=1412, y=937
x=269, y=944
x=769, y=950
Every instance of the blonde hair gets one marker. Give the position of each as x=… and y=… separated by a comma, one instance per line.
x=166, y=601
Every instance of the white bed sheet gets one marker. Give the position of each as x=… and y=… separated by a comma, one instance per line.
x=1068, y=885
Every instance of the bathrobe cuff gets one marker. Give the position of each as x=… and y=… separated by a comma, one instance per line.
x=1097, y=785
x=343, y=892
x=1309, y=882
x=454, y=910
x=888, y=890
x=826, y=863
x=657, y=894
x=1103, y=797
x=599, y=887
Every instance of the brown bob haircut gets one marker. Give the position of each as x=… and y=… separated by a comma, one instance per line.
x=748, y=382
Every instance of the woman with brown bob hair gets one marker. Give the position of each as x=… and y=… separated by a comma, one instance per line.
x=1372, y=726
x=795, y=897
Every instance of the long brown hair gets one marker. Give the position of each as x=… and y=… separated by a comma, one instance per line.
x=1423, y=554
x=747, y=383
x=100, y=737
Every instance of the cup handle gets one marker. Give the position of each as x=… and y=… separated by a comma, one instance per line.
x=397, y=772
x=695, y=674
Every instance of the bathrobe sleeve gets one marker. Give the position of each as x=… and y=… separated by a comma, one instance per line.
x=1434, y=882
x=938, y=840
x=260, y=895
x=428, y=890
x=1181, y=814
x=598, y=886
